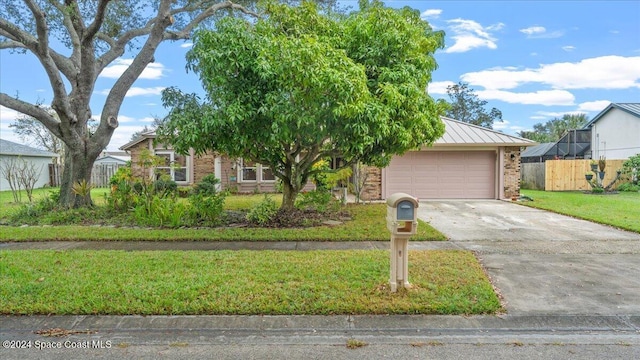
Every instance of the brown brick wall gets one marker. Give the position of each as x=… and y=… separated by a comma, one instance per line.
x=135, y=151
x=373, y=186
x=203, y=165
x=511, y=172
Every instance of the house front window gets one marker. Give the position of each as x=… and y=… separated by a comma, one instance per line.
x=174, y=165
x=250, y=171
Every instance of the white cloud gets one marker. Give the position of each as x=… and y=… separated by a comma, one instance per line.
x=122, y=135
x=7, y=114
x=469, y=35
x=431, y=13
x=153, y=71
x=147, y=119
x=439, y=87
x=533, y=30
x=501, y=125
x=568, y=48
x=605, y=72
x=540, y=32
x=538, y=117
x=541, y=97
x=597, y=105
x=138, y=91
x=545, y=115
x=186, y=45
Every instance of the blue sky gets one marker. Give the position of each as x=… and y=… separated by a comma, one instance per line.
x=533, y=60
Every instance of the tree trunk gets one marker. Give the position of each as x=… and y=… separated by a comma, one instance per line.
x=77, y=168
x=289, y=195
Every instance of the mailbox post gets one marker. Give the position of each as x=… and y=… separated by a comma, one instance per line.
x=402, y=222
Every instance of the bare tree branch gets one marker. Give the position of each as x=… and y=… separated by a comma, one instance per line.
x=97, y=22
x=73, y=35
x=185, y=33
x=12, y=44
x=37, y=112
x=41, y=27
x=16, y=34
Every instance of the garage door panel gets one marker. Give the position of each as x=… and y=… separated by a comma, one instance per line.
x=443, y=175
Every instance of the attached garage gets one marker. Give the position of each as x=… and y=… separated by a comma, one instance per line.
x=468, y=162
x=443, y=174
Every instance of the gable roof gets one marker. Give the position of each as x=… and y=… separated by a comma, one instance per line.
x=460, y=133
x=456, y=133
x=10, y=148
x=631, y=108
x=144, y=136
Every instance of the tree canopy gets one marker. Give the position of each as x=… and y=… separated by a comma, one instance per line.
x=300, y=85
x=92, y=35
x=467, y=107
x=553, y=130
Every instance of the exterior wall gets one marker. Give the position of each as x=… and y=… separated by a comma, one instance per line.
x=135, y=152
x=373, y=186
x=203, y=165
x=616, y=135
x=41, y=165
x=511, y=172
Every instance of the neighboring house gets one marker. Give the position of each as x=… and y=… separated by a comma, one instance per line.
x=615, y=131
x=574, y=144
x=39, y=158
x=110, y=160
x=113, y=158
x=468, y=162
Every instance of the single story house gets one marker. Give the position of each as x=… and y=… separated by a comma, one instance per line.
x=116, y=158
x=40, y=159
x=467, y=162
x=615, y=131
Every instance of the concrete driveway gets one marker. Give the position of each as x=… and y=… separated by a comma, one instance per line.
x=542, y=262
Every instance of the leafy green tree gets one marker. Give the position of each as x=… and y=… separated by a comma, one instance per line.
x=299, y=85
x=553, y=130
x=74, y=41
x=467, y=107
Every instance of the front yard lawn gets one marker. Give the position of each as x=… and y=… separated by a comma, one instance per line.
x=621, y=210
x=239, y=282
x=368, y=224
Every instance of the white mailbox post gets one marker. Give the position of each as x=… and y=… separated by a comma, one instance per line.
x=402, y=222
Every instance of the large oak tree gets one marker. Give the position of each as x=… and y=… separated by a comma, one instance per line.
x=300, y=85
x=94, y=34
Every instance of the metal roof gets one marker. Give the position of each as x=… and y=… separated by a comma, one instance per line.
x=631, y=108
x=538, y=150
x=461, y=133
x=10, y=148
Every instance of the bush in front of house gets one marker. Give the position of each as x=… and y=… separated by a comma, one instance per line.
x=263, y=213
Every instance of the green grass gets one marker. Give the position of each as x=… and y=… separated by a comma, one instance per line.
x=9, y=207
x=621, y=210
x=368, y=224
x=239, y=282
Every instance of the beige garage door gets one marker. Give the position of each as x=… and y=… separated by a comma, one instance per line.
x=443, y=174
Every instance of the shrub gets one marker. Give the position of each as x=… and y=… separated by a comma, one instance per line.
x=317, y=200
x=161, y=211
x=628, y=187
x=631, y=169
x=206, y=210
x=263, y=213
x=165, y=188
x=207, y=186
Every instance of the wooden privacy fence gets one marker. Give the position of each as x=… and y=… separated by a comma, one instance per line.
x=565, y=175
x=532, y=176
x=100, y=175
